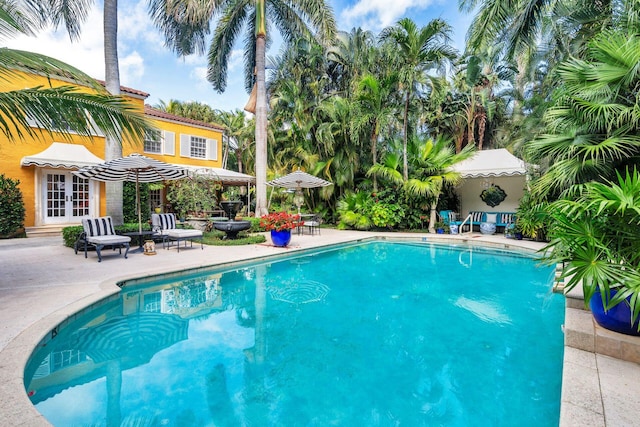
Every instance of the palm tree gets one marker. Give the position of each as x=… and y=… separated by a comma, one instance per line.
x=185, y=29
x=350, y=57
x=236, y=135
x=593, y=128
x=419, y=50
x=375, y=111
x=73, y=14
x=431, y=162
x=63, y=110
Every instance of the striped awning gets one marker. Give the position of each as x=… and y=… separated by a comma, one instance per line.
x=299, y=179
x=227, y=177
x=134, y=168
x=61, y=155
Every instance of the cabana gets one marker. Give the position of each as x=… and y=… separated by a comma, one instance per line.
x=494, y=181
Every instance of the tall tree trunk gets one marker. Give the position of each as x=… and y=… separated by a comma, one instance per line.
x=405, y=126
x=374, y=155
x=113, y=148
x=261, y=129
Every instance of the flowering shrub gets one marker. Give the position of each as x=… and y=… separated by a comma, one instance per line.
x=280, y=221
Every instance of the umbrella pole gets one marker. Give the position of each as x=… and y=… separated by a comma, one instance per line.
x=138, y=204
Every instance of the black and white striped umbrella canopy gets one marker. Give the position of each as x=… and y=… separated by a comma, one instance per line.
x=147, y=333
x=299, y=179
x=134, y=168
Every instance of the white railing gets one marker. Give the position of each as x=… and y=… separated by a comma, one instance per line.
x=467, y=220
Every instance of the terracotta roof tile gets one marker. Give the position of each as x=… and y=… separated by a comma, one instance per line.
x=128, y=90
x=154, y=112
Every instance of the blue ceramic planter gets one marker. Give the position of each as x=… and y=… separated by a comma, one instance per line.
x=280, y=238
x=617, y=318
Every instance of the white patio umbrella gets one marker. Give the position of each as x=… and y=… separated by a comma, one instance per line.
x=298, y=180
x=134, y=168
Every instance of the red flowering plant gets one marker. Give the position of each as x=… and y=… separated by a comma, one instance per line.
x=280, y=221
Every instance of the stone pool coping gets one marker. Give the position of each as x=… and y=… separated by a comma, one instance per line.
x=42, y=284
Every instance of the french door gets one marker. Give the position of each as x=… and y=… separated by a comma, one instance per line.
x=66, y=197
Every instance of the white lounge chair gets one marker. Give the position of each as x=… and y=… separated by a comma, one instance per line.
x=166, y=226
x=99, y=232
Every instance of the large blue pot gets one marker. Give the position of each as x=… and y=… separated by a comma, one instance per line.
x=617, y=318
x=280, y=238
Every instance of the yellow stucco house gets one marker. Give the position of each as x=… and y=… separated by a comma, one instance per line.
x=55, y=198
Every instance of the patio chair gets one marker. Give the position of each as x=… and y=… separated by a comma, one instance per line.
x=312, y=224
x=99, y=233
x=165, y=225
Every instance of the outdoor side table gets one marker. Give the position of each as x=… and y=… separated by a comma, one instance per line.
x=140, y=235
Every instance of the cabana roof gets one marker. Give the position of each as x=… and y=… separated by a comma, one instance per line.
x=491, y=163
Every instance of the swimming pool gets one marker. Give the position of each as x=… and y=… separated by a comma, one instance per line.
x=382, y=333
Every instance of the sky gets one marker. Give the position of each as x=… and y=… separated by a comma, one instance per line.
x=147, y=65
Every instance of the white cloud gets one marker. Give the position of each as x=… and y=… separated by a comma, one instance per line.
x=85, y=54
x=131, y=68
x=377, y=14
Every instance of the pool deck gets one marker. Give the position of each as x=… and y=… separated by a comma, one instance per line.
x=42, y=283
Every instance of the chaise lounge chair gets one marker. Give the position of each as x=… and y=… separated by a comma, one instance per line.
x=165, y=225
x=99, y=232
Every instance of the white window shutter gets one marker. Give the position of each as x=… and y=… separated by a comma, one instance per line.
x=185, y=145
x=169, y=143
x=96, y=130
x=32, y=122
x=212, y=149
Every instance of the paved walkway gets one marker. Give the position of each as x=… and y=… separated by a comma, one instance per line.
x=42, y=283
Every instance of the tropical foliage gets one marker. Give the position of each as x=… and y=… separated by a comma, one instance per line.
x=63, y=110
x=11, y=206
x=596, y=235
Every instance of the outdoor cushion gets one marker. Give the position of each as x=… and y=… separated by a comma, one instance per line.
x=99, y=232
x=491, y=217
x=476, y=217
x=507, y=218
x=162, y=222
x=165, y=225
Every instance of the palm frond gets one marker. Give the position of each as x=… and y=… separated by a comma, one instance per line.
x=65, y=111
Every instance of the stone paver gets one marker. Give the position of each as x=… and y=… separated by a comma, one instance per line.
x=42, y=283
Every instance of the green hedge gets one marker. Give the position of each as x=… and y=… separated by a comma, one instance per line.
x=71, y=234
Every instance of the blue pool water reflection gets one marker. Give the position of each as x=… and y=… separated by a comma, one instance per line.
x=379, y=334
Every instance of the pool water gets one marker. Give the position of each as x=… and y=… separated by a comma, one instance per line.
x=375, y=334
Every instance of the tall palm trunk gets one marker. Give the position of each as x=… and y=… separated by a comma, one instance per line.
x=113, y=148
x=405, y=126
x=374, y=154
x=261, y=111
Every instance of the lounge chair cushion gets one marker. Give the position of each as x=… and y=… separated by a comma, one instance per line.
x=182, y=234
x=102, y=226
x=108, y=240
x=99, y=232
x=163, y=221
x=491, y=217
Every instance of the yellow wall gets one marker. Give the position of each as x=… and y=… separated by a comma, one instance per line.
x=11, y=152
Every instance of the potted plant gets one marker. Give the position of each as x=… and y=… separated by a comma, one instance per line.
x=517, y=231
x=439, y=227
x=596, y=237
x=280, y=225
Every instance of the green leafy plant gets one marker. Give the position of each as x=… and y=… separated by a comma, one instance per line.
x=12, y=209
x=193, y=195
x=596, y=236
x=532, y=217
